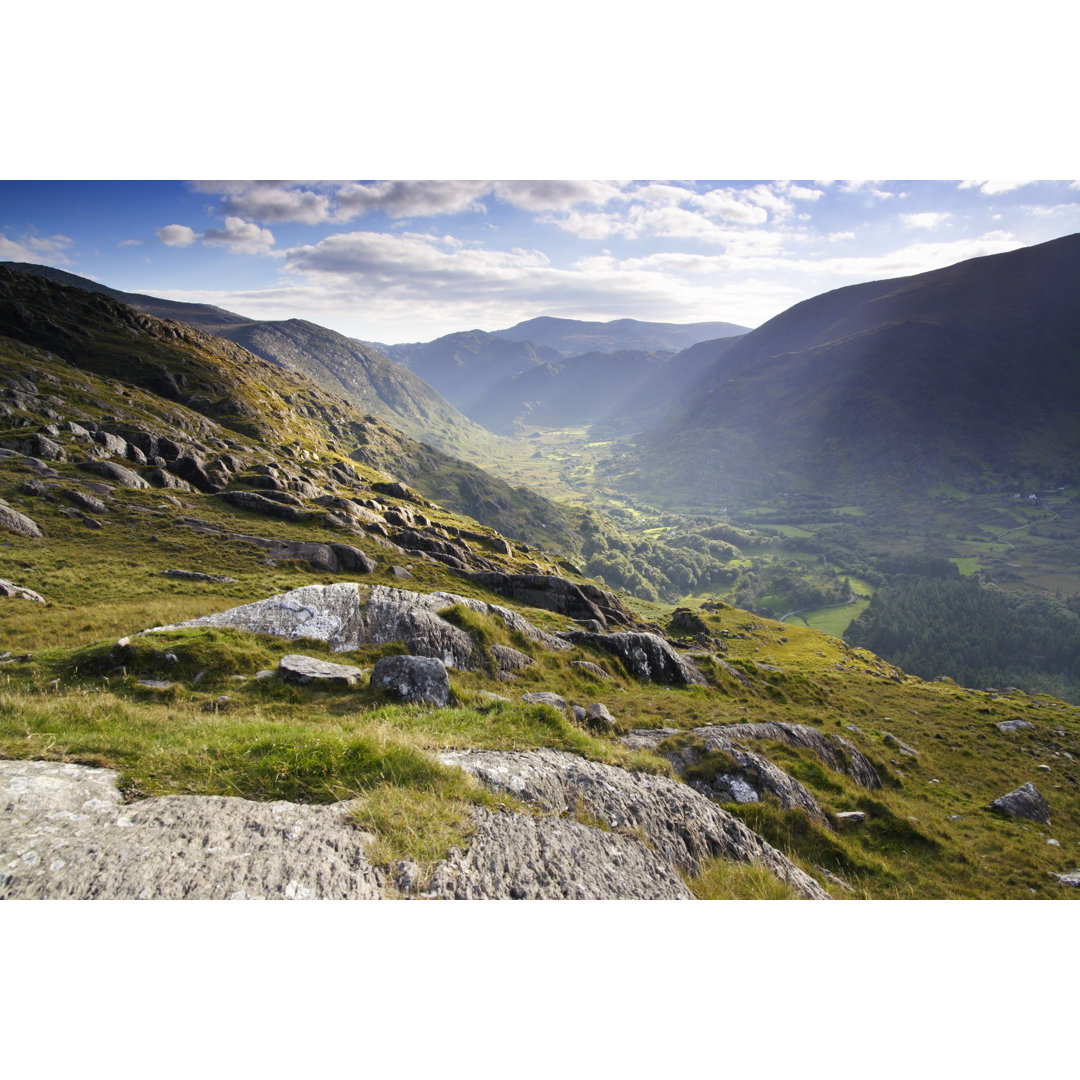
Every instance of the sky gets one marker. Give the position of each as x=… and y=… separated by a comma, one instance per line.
x=410, y=260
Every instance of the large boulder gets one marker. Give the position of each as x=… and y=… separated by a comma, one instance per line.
x=119, y=474
x=1024, y=802
x=645, y=656
x=347, y=615
x=414, y=679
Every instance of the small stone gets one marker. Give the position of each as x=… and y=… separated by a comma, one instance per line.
x=591, y=669
x=400, y=572
x=1071, y=878
x=156, y=684
x=1052, y=842
x=600, y=719
x=1044, y=768
x=891, y=740
x=545, y=697
x=1013, y=725
x=266, y=673
x=850, y=817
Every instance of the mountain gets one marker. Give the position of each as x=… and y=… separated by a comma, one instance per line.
x=965, y=375
x=337, y=363
x=258, y=664
x=571, y=337
x=465, y=365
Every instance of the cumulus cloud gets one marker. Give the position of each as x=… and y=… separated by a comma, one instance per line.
x=270, y=200
x=411, y=198
x=34, y=249
x=553, y=195
x=241, y=237
x=994, y=187
x=177, y=235
x=130, y=243
x=928, y=219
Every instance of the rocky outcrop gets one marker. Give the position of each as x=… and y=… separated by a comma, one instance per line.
x=9, y=588
x=259, y=504
x=65, y=833
x=834, y=751
x=645, y=656
x=347, y=615
x=520, y=857
x=299, y=669
x=413, y=679
x=20, y=524
x=1024, y=802
x=681, y=825
x=119, y=474
x=577, y=601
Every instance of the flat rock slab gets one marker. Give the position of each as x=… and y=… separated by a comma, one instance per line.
x=680, y=825
x=66, y=834
x=1013, y=725
x=195, y=575
x=545, y=697
x=1024, y=802
x=296, y=668
x=520, y=857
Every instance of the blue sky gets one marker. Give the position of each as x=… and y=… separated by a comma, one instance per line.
x=409, y=260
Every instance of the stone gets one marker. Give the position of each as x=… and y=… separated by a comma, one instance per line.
x=1071, y=878
x=522, y=857
x=195, y=575
x=590, y=668
x=847, y=818
x=400, y=573
x=161, y=478
x=114, y=446
x=20, y=524
x=681, y=826
x=413, y=679
x=66, y=834
x=891, y=740
x=9, y=588
x=299, y=669
x=1024, y=802
x=33, y=487
x=259, y=504
x=645, y=656
x=599, y=718
x=84, y=501
x=545, y=697
x=119, y=474
x=551, y=593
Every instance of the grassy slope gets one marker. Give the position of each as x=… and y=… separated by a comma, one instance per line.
x=66, y=694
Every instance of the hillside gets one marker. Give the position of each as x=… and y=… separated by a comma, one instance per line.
x=966, y=375
x=337, y=363
x=239, y=659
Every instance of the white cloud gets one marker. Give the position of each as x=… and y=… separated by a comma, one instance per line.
x=411, y=198
x=928, y=219
x=994, y=187
x=270, y=200
x=555, y=195
x=241, y=237
x=865, y=187
x=834, y=237
x=177, y=235
x=33, y=249
x=130, y=243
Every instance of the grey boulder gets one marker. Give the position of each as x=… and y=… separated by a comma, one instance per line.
x=413, y=679
x=296, y=668
x=1024, y=802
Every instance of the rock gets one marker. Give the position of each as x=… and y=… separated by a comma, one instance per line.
x=33, y=487
x=1071, y=878
x=682, y=826
x=498, y=543
x=9, y=588
x=1025, y=802
x=545, y=697
x=556, y=594
x=161, y=478
x=43, y=448
x=1013, y=725
x=295, y=668
x=259, y=504
x=847, y=818
x=645, y=656
x=119, y=474
x=891, y=740
x=414, y=679
x=347, y=615
x=684, y=623
x=113, y=444
x=590, y=668
x=599, y=718
x=195, y=575
x=156, y=684
x=67, y=834
x=20, y=524
x=91, y=523
x=84, y=501
x=579, y=714
x=401, y=573
x=521, y=857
